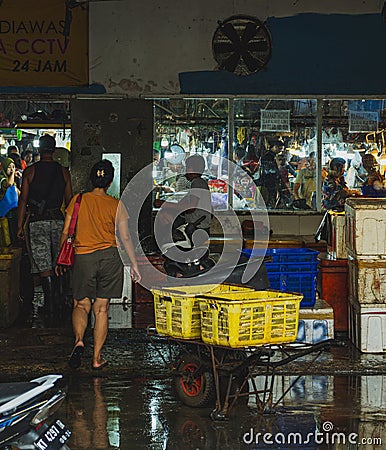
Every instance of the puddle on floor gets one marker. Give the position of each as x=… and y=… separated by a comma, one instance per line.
x=318, y=412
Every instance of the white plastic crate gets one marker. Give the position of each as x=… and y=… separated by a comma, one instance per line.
x=373, y=393
x=120, y=315
x=127, y=287
x=316, y=324
x=336, y=248
x=366, y=227
x=367, y=280
x=367, y=326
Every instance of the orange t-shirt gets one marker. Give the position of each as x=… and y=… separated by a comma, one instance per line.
x=95, y=229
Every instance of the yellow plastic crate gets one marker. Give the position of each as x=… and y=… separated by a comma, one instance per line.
x=250, y=318
x=177, y=310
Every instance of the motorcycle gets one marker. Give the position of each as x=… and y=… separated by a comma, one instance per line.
x=197, y=259
x=198, y=262
x=27, y=415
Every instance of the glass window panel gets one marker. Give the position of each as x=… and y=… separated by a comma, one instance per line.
x=276, y=144
x=351, y=129
x=183, y=127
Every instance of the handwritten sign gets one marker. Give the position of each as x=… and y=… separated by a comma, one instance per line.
x=43, y=44
x=363, y=121
x=275, y=120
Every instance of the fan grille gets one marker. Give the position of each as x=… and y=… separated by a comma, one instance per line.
x=241, y=45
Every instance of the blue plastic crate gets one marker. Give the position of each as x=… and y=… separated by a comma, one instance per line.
x=303, y=282
x=292, y=270
x=292, y=267
x=285, y=255
x=287, y=431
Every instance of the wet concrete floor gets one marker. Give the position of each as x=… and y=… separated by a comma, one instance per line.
x=141, y=413
x=338, y=404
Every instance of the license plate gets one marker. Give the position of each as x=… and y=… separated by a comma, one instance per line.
x=54, y=437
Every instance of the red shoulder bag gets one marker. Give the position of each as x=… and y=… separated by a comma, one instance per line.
x=66, y=255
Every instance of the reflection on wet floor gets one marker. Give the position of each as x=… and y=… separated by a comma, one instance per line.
x=318, y=412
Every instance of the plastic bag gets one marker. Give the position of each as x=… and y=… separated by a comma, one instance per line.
x=9, y=201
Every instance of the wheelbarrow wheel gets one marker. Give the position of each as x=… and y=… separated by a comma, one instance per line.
x=194, y=384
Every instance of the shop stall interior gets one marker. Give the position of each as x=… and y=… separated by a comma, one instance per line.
x=279, y=148
x=23, y=122
x=275, y=149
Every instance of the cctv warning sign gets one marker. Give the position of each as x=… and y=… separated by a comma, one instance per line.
x=43, y=43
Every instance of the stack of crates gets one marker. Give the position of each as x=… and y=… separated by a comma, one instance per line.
x=292, y=270
x=366, y=245
x=227, y=315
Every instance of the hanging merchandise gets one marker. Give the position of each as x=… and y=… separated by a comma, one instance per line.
x=251, y=160
x=209, y=143
x=224, y=144
x=175, y=155
x=254, y=138
x=241, y=135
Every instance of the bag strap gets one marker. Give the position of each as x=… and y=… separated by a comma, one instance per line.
x=74, y=216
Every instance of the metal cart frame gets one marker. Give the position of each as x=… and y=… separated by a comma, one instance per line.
x=232, y=368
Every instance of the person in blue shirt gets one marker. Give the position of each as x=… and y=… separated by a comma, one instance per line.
x=334, y=188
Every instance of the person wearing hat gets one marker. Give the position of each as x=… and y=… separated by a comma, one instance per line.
x=45, y=186
x=334, y=188
x=7, y=175
x=13, y=152
x=98, y=269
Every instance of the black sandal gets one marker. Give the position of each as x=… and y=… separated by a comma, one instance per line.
x=76, y=357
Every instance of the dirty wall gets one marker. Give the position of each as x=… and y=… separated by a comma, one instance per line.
x=152, y=47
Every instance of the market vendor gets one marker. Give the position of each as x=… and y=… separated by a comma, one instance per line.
x=198, y=195
x=334, y=188
x=374, y=185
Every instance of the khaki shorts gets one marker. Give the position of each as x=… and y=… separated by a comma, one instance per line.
x=98, y=275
